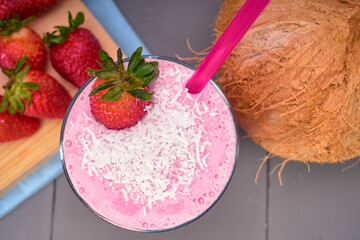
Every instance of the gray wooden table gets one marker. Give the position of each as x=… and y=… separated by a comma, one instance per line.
x=322, y=204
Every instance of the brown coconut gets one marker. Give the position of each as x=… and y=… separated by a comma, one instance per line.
x=294, y=79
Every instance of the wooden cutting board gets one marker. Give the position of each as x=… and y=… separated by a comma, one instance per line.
x=20, y=158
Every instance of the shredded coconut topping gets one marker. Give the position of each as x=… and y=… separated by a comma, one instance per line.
x=160, y=156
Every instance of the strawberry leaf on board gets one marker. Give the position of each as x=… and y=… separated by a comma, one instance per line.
x=20, y=63
x=63, y=30
x=8, y=72
x=27, y=20
x=25, y=94
x=141, y=94
x=4, y=104
x=13, y=107
x=30, y=85
x=21, y=74
x=17, y=91
x=13, y=24
x=51, y=38
x=77, y=21
x=20, y=104
x=60, y=35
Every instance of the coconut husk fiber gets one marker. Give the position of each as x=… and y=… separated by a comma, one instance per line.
x=294, y=79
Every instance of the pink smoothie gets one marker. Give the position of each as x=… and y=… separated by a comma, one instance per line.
x=161, y=173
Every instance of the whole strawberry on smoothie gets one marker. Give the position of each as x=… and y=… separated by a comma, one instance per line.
x=73, y=49
x=119, y=98
x=141, y=152
x=17, y=40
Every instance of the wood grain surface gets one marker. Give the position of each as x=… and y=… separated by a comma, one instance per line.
x=18, y=159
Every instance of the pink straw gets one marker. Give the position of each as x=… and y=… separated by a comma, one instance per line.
x=226, y=43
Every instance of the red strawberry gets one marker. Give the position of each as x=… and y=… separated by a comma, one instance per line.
x=51, y=100
x=125, y=112
x=17, y=41
x=34, y=93
x=24, y=8
x=16, y=127
x=73, y=50
x=119, y=97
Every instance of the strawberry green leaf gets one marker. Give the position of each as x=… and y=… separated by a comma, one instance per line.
x=17, y=91
x=22, y=73
x=71, y=21
x=27, y=20
x=107, y=74
x=20, y=104
x=4, y=104
x=79, y=19
x=141, y=63
x=114, y=94
x=6, y=32
x=30, y=85
x=151, y=78
x=57, y=39
x=103, y=86
x=20, y=63
x=104, y=73
x=145, y=69
x=63, y=30
x=119, y=62
x=13, y=108
x=60, y=35
x=141, y=94
x=74, y=23
x=8, y=72
x=156, y=64
x=135, y=59
x=25, y=94
x=50, y=39
x=13, y=24
x=106, y=61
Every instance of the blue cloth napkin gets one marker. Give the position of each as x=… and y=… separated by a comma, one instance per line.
x=110, y=17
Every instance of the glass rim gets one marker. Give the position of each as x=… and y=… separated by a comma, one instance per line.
x=62, y=158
